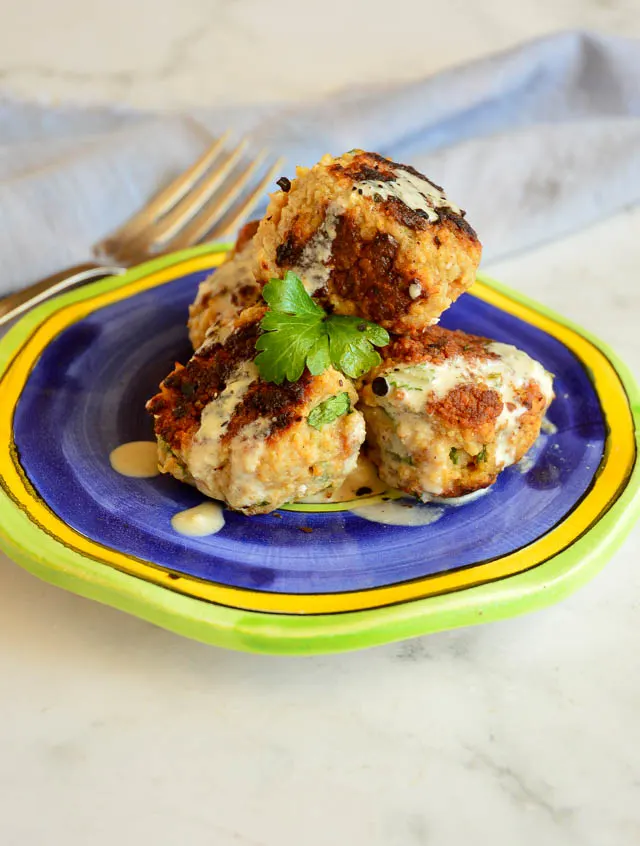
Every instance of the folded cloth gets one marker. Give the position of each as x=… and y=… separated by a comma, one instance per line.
x=534, y=143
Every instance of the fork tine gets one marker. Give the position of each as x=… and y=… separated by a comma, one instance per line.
x=240, y=213
x=177, y=218
x=204, y=227
x=200, y=226
x=164, y=199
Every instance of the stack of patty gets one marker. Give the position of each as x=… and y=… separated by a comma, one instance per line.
x=445, y=412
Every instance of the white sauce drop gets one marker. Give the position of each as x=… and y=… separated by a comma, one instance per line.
x=416, y=193
x=394, y=513
x=137, y=459
x=204, y=519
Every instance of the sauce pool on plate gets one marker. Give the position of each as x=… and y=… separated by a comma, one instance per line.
x=205, y=519
x=136, y=459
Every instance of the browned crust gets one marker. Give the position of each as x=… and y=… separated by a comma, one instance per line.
x=472, y=407
x=246, y=234
x=365, y=272
x=436, y=345
x=280, y=403
x=289, y=252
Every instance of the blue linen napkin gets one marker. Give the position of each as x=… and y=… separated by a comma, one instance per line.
x=534, y=142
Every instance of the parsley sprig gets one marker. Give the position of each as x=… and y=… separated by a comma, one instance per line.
x=297, y=332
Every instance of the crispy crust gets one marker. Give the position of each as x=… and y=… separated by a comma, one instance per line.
x=469, y=407
x=245, y=235
x=435, y=345
x=364, y=272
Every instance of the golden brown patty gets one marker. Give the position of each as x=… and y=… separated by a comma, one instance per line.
x=446, y=411
x=249, y=442
x=370, y=237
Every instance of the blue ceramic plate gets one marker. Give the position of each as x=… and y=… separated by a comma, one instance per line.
x=82, y=370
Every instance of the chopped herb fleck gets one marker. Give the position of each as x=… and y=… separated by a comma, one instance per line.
x=329, y=410
x=453, y=455
x=404, y=385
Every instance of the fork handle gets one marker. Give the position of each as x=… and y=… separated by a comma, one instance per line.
x=20, y=301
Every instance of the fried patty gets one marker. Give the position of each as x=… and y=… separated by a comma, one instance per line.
x=446, y=411
x=370, y=237
x=246, y=441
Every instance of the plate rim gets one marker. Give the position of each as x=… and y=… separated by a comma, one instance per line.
x=293, y=633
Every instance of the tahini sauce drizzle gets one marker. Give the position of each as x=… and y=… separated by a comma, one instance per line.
x=399, y=513
x=365, y=475
x=416, y=193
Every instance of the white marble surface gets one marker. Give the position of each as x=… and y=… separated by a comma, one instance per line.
x=523, y=732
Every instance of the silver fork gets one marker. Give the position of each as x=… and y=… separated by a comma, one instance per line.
x=209, y=201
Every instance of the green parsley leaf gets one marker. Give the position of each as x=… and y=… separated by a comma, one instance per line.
x=298, y=333
x=482, y=455
x=453, y=455
x=288, y=340
x=289, y=296
x=351, y=341
x=319, y=359
x=329, y=410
